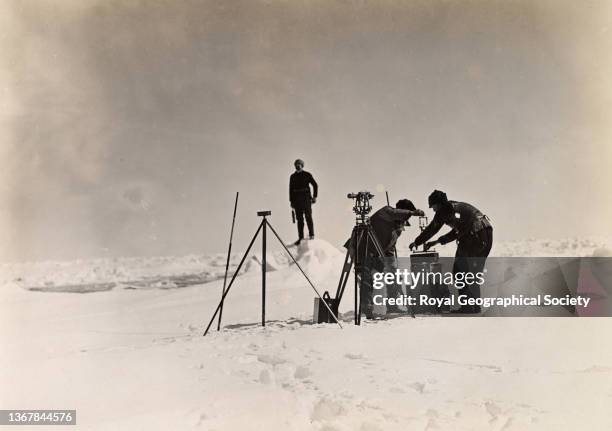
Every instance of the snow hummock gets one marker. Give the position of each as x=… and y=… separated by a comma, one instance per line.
x=133, y=356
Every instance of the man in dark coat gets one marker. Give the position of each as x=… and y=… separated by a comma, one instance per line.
x=387, y=224
x=470, y=228
x=301, y=198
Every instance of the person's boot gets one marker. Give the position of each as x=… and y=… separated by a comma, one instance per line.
x=311, y=237
x=298, y=242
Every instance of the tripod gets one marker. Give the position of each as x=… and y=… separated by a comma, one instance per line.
x=362, y=237
x=262, y=228
x=362, y=246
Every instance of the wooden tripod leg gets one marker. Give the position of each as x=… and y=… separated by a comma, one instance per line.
x=233, y=278
x=346, y=271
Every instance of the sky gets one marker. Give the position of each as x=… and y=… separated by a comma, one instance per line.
x=128, y=126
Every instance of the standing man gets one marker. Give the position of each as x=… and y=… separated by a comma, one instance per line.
x=472, y=231
x=301, y=199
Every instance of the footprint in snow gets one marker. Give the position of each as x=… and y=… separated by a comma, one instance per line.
x=353, y=356
x=302, y=372
x=418, y=386
x=369, y=426
x=265, y=377
x=270, y=360
x=201, y=418
x=431, y=424
x=507, y=424
x=493, y=410
x=326, y=409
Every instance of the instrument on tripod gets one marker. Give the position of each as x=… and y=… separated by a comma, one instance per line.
x=363, y=245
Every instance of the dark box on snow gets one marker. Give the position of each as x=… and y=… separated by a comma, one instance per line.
x=427, y=262
x=321, y=313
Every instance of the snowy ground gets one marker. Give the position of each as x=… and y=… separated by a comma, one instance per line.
x=132, y=356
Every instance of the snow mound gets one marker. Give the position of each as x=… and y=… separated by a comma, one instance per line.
x=317, y=252
x=273, y=263
x=316, y=255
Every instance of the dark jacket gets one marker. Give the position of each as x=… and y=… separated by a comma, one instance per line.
x=299, y=189
x=463, y=218
x=387, y=224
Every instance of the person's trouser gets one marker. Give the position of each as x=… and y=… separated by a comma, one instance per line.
x=300, y=214
x=366, y=283
x=365, y=266
x=366, y=291
x=393, y=290
x=471, y=255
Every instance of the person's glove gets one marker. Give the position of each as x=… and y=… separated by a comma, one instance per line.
x=411, y=246
x=314, y=200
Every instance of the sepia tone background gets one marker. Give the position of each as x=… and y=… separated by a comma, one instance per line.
x=127, y=126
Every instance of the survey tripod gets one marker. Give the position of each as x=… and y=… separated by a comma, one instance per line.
x=364, y=252
x=263, y=229
x=362, y=238
x=362, y=248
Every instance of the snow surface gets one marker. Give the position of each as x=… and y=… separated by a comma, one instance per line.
x=168, y=272
x=132, y=356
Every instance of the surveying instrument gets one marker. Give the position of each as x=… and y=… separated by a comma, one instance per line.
x=362, y=246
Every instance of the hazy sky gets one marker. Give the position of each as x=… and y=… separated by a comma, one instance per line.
x=127, y=126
